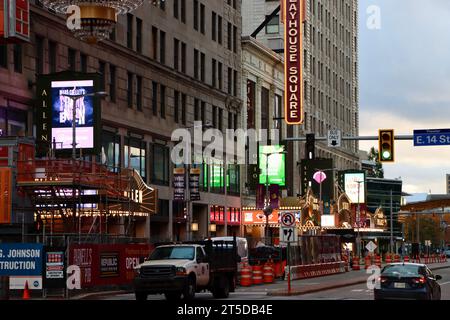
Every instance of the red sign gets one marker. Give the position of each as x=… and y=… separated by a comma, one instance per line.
x=293, y=62
x=15, y=20
x=107, y=264
x=5, y=195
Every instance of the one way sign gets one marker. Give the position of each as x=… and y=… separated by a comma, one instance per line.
x=334, y=138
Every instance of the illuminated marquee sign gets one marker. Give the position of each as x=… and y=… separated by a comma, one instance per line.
x=293, y=61
x=15, y=20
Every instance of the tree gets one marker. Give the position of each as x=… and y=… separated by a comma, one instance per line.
x=378, y=171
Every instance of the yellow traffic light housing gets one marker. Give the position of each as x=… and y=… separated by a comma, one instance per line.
x=386, y=145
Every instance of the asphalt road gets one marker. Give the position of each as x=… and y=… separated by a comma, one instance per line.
x=356, y=292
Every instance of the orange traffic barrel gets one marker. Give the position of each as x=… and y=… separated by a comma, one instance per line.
x=268, y=273
x=406, y=259
x=388, y=258
x=257, y=274
x=378, y=261
x=246, y=275
x=396, y=258
x=366, y=262
x=356, y=264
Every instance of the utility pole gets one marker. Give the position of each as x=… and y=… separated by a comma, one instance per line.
x=392, y=231
x=358, y=219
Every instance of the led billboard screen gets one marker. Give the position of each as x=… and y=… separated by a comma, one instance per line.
x=62, y=113
x=352, y=183
x=276, y=166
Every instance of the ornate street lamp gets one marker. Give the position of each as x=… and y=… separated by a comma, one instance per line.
x=97, y=17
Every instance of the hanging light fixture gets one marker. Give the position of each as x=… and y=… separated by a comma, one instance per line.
x=97, y=17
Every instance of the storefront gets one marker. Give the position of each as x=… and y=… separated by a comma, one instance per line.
x=217, y=220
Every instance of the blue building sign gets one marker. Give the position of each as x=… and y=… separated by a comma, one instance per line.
x=21, y=259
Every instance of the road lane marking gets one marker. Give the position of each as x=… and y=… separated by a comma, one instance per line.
x=444, y=283
x=358, y=290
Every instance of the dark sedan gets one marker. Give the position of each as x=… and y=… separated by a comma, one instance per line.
x=408, y=281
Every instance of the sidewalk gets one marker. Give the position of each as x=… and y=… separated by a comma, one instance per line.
x=304, y=286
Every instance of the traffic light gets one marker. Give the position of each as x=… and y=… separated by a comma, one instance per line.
x=386, y=145
x=310, y=146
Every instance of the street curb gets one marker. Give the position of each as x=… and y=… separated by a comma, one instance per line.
x=330, y=287
x=89, y=296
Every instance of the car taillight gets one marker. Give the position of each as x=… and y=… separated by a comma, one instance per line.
x=420, y=280
x=382, y=279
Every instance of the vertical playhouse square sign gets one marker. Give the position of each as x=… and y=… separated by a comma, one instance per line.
x=293, y=61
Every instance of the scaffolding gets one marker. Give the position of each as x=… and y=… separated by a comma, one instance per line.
x=76, y=196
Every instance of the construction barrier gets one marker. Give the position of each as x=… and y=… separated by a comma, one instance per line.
x=405, y=259
x=378, y=261
x=246, y=276
x=396, y=258
x=268, y=273
x=26, y=292
x=356, y=263
x=366, y=262
x=257, y=275
x=388, y=258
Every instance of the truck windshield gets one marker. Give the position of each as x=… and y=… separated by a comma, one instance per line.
x=164, y=253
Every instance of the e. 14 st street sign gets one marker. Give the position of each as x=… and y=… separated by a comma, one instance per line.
x=431, y=137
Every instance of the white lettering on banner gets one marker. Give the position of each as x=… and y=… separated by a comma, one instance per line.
x=73, y=277
x=131, y=263
x=17, y=265
x=24, y=253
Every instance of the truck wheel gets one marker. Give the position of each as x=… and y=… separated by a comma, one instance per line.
x=222, y=291
x=141, y=296
x=189, y=289
x=172, y=296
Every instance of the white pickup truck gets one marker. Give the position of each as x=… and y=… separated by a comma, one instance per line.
x=181, y=270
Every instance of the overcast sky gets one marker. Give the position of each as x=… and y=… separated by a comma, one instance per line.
x=404, y=82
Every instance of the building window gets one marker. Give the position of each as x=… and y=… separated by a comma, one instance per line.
x=4, y=56
x=230, y=36
x=135, y=155
x=183, y=57
x=160, y=164
x=235, y=39
x=130, y=31
x=196, y=109
x=155, y=98
x=130, y=90
x=214, y=116
x=83, y=62
x=175, y=9
x=202, y=67
x=195, y=63
x=111, y=151
x=183, y=11
x=139, y=93
x=112, y=83
x=183, y=108
x=219, y=29
x=213, y=73
x=52, y=56
x=176, y=102
x=72, y=59
x=162, y=48
x=39, y=55
x=18, y=58
x=213, y=26
x=230, y=80
x=273, y=26
x=176, y=50
x=138, y=35
x=163, y=101
x=195, y=9
x=220, y=119
x=102, y=71
x=235, y=83
x=203, y=112
x=220, y=75
x=154, y=43
x=202, y=18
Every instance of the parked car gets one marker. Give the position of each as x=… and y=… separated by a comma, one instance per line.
x=447, y=253
x=408, y=281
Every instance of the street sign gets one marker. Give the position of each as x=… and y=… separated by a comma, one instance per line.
x=288, y=234
x=287, y=219
x=334, y=138
x=371, y=246
x=431, y=137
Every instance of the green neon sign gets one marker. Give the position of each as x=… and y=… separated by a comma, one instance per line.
x=276, y=167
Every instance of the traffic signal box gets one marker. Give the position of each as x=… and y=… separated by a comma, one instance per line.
x=310, y=146
x=386, y=145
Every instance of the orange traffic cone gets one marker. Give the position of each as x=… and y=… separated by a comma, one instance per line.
x=26, y=292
